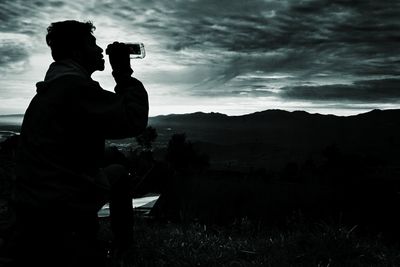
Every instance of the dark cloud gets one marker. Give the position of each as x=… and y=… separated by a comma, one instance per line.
x=352, y=37
x=12, y=53
x=19, y=31
x=20, y=16
x=374, y=91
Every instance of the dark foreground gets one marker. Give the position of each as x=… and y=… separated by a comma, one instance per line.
x=244, y=243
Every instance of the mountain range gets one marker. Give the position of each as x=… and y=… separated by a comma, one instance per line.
x=295, y=133
x=272, y=138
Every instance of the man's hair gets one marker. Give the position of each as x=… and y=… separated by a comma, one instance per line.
x=63, y=37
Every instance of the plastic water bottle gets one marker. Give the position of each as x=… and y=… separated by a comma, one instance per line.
x=136, y=50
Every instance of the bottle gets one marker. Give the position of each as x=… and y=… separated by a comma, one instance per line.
x=136, y=50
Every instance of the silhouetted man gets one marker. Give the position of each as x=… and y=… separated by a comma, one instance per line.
x=61, y=183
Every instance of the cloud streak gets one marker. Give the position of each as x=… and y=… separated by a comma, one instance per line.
x=374, y=91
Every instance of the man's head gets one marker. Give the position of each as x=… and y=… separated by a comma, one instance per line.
x=74, y=40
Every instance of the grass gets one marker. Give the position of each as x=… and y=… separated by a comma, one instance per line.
x=244, y=243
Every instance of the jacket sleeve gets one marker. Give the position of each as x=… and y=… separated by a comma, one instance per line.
x=116, y=115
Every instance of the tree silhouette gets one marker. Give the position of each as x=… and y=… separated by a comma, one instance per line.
x=147, y=138
x=182, y=156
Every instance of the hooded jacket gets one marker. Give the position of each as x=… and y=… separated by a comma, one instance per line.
x=63, y=135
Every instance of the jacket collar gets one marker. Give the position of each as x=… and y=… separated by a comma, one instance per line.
x=65, y=67
x=62, y=68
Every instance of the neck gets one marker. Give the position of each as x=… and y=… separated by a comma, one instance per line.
x=83, y=66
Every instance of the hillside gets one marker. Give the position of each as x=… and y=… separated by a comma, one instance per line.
x=274, y=126
x=273, y=138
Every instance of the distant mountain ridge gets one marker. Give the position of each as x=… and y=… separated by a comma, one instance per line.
x=274, y=121
x=274, y=137
x=268, y=124
x=270, y=113
x=12, y=115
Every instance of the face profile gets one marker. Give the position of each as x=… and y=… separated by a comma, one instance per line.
x=73, y=40
x=91, y=55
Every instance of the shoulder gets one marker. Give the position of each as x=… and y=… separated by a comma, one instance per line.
x=75, y=84
x=73, y=80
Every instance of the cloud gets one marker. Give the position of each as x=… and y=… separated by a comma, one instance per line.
x=369, y=91
x=351, y=39
x=323, y=49
x=14, y=52
x=22, y=29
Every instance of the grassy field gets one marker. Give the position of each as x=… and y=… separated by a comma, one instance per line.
x=244, y=243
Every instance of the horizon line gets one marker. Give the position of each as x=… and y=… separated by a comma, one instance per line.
x=244, y=114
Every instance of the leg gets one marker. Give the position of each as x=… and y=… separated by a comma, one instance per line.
x=121, y=210
x=49, y=237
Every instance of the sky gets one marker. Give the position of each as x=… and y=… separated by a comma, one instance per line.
x=230, y=56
